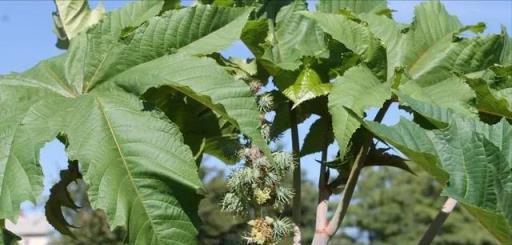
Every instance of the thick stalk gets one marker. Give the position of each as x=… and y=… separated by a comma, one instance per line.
x=296, y=205
x=322, y=236
x=435, y=226
x=323, y=197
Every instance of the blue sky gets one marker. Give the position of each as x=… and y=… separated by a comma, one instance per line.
x=26, y=37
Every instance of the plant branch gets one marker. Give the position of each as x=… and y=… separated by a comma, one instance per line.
x=296, y=205
x=323, y=193
x=342, y=206
x=435, y=226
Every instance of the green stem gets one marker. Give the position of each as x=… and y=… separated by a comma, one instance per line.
x=296, y=205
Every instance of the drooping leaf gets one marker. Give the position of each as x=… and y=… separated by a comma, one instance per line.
x=320, y=135
x=202, y=80
x=224, y=148
x=307, y=86
x=498, y=133
x=355, y=36
x=60, y=197
x=488, y=100
x=294, y=37
x=358, y=89
x=73, y=17
x=380, y=157
x=202, y=130
x=7, y=237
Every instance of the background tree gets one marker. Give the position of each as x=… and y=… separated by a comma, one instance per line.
x=394, y=207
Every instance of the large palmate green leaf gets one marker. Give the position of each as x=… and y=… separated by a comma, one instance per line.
x=358, y=89
x=429, y=51
x=353, y=35
x=473, y=159
x=20, y=173
x=134, y=159
x=294, y=37
x=202, y=29
x=488, y=100
x=76, y=16
x=202, y=80
x=92, y=53
x=113, y=47
x=356, y=37
x=149, y=167
x=203, y=131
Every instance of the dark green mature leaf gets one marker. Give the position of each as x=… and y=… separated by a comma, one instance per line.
x=198, y=30
x=254, y=34
x=355, y=36
x=135, y=163
x=380, y=157
x=320, y=134
x=451, y=93
x=7, y=237
x=429, y=55
x=476, y=156
x=92, y=53
x=488, y=100
x=134, y=159
x=358, y=89
x=73, y=17
x=357, y=6
x=112, y=47
x=60, y=197
x=202, y=80
x=413, y=141
x=224, y=148
x=202, y=130
x=20, y=173
x=498, y=133
x=294, y=37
